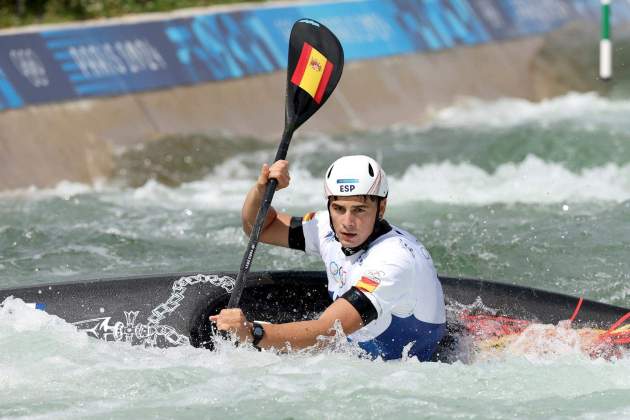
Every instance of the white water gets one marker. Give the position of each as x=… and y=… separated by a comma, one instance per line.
x=586, y=110
x=65, y=374
x=48, y=370
x=530, y=181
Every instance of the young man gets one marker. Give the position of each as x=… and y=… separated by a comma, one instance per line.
x=385, y=291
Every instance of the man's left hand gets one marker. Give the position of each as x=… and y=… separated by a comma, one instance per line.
x=234, y=322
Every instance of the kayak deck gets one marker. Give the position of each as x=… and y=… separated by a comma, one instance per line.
x=173, y=309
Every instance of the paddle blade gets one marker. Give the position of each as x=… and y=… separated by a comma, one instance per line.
x=315, y=66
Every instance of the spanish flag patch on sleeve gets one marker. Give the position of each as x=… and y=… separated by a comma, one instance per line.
x=308, y=216
x=367, y=284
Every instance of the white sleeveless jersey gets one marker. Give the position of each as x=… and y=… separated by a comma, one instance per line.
x=397, y=275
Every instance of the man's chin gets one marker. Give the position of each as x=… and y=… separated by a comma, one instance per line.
x=349, y=244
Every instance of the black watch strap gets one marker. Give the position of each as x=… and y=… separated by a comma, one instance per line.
x=258, y=332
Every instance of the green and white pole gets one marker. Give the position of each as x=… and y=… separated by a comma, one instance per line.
x=605, y=45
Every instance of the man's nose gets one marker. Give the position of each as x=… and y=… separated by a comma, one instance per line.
x=348, y=219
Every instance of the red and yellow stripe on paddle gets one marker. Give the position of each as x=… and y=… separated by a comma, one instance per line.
x=366, y=284
x=312, y=72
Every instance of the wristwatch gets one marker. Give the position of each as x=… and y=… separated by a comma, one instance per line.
x=258, y=332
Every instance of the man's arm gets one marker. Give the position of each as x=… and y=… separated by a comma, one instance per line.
x=275, y=229
x=296, y=335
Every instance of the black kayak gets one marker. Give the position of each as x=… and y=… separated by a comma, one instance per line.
x=173, y=309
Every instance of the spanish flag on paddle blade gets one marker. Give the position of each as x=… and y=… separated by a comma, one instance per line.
x=312, y=72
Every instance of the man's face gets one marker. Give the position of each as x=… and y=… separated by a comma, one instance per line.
x=353, y=218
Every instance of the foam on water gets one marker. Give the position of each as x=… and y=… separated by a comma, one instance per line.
x=64, y=189
x=581, y=109
x=530, y=181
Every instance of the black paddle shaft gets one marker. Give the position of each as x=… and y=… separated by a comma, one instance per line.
x=306, y=36
x=246, y=263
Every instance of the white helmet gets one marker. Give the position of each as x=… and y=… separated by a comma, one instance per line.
x=355, y=175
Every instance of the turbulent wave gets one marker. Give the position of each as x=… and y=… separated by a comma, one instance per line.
x=530, y=181
x=541, y=204
x=175, y=160
x=586, y=110
x=64, y=190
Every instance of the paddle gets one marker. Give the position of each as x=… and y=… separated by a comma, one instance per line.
x=314, y=69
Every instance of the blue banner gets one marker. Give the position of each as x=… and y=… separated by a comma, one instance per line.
x=58, y=65
x=114, y=59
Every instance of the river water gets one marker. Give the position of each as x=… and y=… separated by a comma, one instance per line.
x=536, y=194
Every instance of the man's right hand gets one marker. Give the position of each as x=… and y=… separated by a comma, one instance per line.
x=278, y=170
x=275, y=229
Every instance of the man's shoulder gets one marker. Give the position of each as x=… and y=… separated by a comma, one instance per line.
x=318, y=218
x=396, y=238
x=389, y=248
x=398, y=244
x=316, y=222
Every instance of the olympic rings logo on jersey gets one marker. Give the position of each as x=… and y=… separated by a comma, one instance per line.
x=338, y=273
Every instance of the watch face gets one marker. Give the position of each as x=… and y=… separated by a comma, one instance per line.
x=258, y=331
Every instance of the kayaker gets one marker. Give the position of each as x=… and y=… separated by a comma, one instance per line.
x=385, y=292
